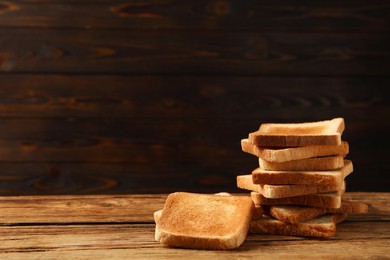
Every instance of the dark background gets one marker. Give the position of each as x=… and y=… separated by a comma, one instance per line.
x=100, y=96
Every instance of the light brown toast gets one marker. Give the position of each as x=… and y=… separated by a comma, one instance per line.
x=323, y=226
x=310, y=164
x=323, y=200
x=296, y=214
x=327, y=132
x=294, y=153
x=324, y=178
x=282, y=191
x=204, y=221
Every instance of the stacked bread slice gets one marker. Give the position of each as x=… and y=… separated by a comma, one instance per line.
x=300, y=179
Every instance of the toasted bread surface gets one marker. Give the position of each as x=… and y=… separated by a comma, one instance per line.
x=327, y=132
x=296, y=213
x=310, y=164
x=204, y=221
x=323, y=200
x=286, y=190
x=323, y=226
x=285, y=154
x=331, y=178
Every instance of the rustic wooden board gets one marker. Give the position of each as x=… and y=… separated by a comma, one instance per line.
x=270, y=15
x=79, y=156
x=352, y=240
x=260, y=98
x=135, y=208
x=89, y=230
x=118, y=96
x=62, y=156
x=94, y=178
x=194, y=52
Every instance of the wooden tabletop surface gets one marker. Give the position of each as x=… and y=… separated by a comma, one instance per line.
x=122, y=227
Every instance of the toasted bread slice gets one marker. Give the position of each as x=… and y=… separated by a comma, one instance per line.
x=204, y=221
x=323, y=200
x=294, y=153
x=331, y=178
x=283, y=191
x=257, y=212
x=157, y=216
x=324, y=226
x=310, y=164
x=326, y=132
x=296, y=214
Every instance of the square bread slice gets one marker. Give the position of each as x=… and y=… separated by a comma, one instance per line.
x=322, y=200
x=309, y=164
x=296, y=214
x=204, y=221
x=293, y=153
x=327, y=132
x=282, y=191
x=331, y=178
x=323, y=226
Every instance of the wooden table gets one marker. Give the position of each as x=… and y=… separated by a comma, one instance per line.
x=122, y=227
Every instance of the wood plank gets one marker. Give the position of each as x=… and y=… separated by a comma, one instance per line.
x=94, y=178
x=282, y=98
x=138, y=140
x=355, y=239
x=80, y=209
x=271, y=16
x=101, y=156
x=361, y=235
x=194, y=52
x=170, y=141
x=136, y=208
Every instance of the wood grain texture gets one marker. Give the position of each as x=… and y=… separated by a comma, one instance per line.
x=135, y=208
x=273, y=98
x=92, y=178
x=103, y=96
x=271, y=16
x=205, y=53
x=78, y=156
x=95, y=226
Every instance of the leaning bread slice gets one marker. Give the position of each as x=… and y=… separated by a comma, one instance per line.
x=293, y=153
x=204, y=221
x=157, y=215
x=323, y=200
x=331, y=178
x=296, y=214
x=310, y=164
x=282, y=191
x=326, y=132
x=324, y=226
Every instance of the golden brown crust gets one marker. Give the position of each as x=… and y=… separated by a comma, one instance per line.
x=282, y=191
x=293, y=153
x=326, y=132
x=323, y=200
x=331, y=178
x=297, y=214
x=310, y=164
x=204, y=221
x=324, y=226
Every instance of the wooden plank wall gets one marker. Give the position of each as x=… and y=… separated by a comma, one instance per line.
x=100, y=96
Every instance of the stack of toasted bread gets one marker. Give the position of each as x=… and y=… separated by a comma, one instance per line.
x=300, y=179
x=296, y=190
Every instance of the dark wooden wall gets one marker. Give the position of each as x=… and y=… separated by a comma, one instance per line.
x=100, y=96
